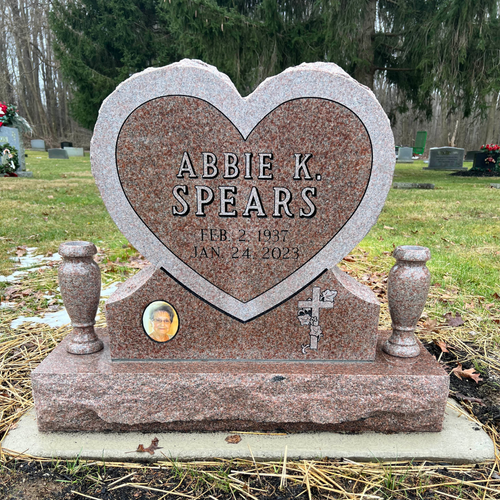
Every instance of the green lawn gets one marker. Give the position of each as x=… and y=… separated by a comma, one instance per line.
x=459, y=221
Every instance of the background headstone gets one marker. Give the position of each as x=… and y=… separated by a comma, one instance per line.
x=405, y=155
x=412, y=185
x=66, y=144
x=38, y=145
x=58, y=154
x=11, y=135
x=446, y=158
x=74, y=151
x=469, y=156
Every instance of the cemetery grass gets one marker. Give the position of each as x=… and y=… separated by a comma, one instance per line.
x=458, y=221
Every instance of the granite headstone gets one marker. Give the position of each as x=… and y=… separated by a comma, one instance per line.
x=243, y=206
x=58, y=154
x=66, y=144
x=11, y=135
x=469, y=156
x=405, y=155
x=446, y=158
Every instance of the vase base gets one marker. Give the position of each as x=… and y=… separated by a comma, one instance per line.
x=401, y=351
x=85, y=348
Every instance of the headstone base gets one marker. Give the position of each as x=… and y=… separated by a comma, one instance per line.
x=412, y=185
x=24, y=174
x=92, y=393
x=451, y=169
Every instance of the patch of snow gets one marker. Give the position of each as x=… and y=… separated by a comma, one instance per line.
x=7, y=305
x=107, y=292
x=59, y=318
x=54, y=319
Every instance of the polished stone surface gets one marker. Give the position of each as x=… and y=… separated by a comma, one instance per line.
x=91, y=393
x=348, y=323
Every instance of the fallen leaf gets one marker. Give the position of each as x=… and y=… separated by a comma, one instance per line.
x=489, y=306
x=49, y=254
x=430, y=324
x=20, y=251
x=496, y=296
x=388, y=227
x=348, y=258
x=151, y=448
x=234, y=439
x=469, y=373
x=442, y=345
x=453, y=321
x=50, y=196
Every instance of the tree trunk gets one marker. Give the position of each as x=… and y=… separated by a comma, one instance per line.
x=364, y=69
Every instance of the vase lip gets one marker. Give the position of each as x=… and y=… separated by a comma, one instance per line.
x=77, y=249
x=412, y=253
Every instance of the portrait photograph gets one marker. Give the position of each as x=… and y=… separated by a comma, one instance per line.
x=160, y=321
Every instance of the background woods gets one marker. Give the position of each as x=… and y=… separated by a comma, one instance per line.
x=31, y=76
x=434, y=65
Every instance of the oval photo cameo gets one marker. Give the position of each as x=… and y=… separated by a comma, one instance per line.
x=160, y=321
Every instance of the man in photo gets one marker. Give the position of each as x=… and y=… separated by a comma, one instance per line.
x=161, y=322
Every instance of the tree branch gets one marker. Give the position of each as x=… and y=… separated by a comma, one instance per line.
x=393, y=69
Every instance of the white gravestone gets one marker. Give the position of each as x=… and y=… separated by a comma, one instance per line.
x=74, y=151
x=38, y=145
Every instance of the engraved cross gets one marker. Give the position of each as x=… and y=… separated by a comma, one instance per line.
x=315, y=304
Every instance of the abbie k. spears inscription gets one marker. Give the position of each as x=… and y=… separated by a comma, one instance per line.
x=236, y=210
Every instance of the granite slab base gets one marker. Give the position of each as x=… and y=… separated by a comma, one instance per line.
x=92, y=393
x=460, y=441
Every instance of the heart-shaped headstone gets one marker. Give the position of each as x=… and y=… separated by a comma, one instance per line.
x=243, y=201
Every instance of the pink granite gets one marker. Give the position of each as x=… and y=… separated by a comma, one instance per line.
x=347, y=324
x=80, y=283
x=201, y=221
x=408, y=286
x=92, y=393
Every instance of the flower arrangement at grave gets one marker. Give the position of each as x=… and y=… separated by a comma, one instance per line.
x=10, y=118
x=9, y=159
x=491, y=163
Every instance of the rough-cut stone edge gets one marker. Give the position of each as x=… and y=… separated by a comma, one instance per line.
x=197, y=79
x=460, y=441
x=92, y=393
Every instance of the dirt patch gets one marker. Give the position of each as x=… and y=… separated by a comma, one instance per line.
x=486, y=391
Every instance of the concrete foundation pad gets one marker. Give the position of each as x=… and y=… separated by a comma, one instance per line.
x=460, y=441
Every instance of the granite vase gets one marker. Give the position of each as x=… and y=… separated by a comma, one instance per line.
x=408, y=287
x=80, y=283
